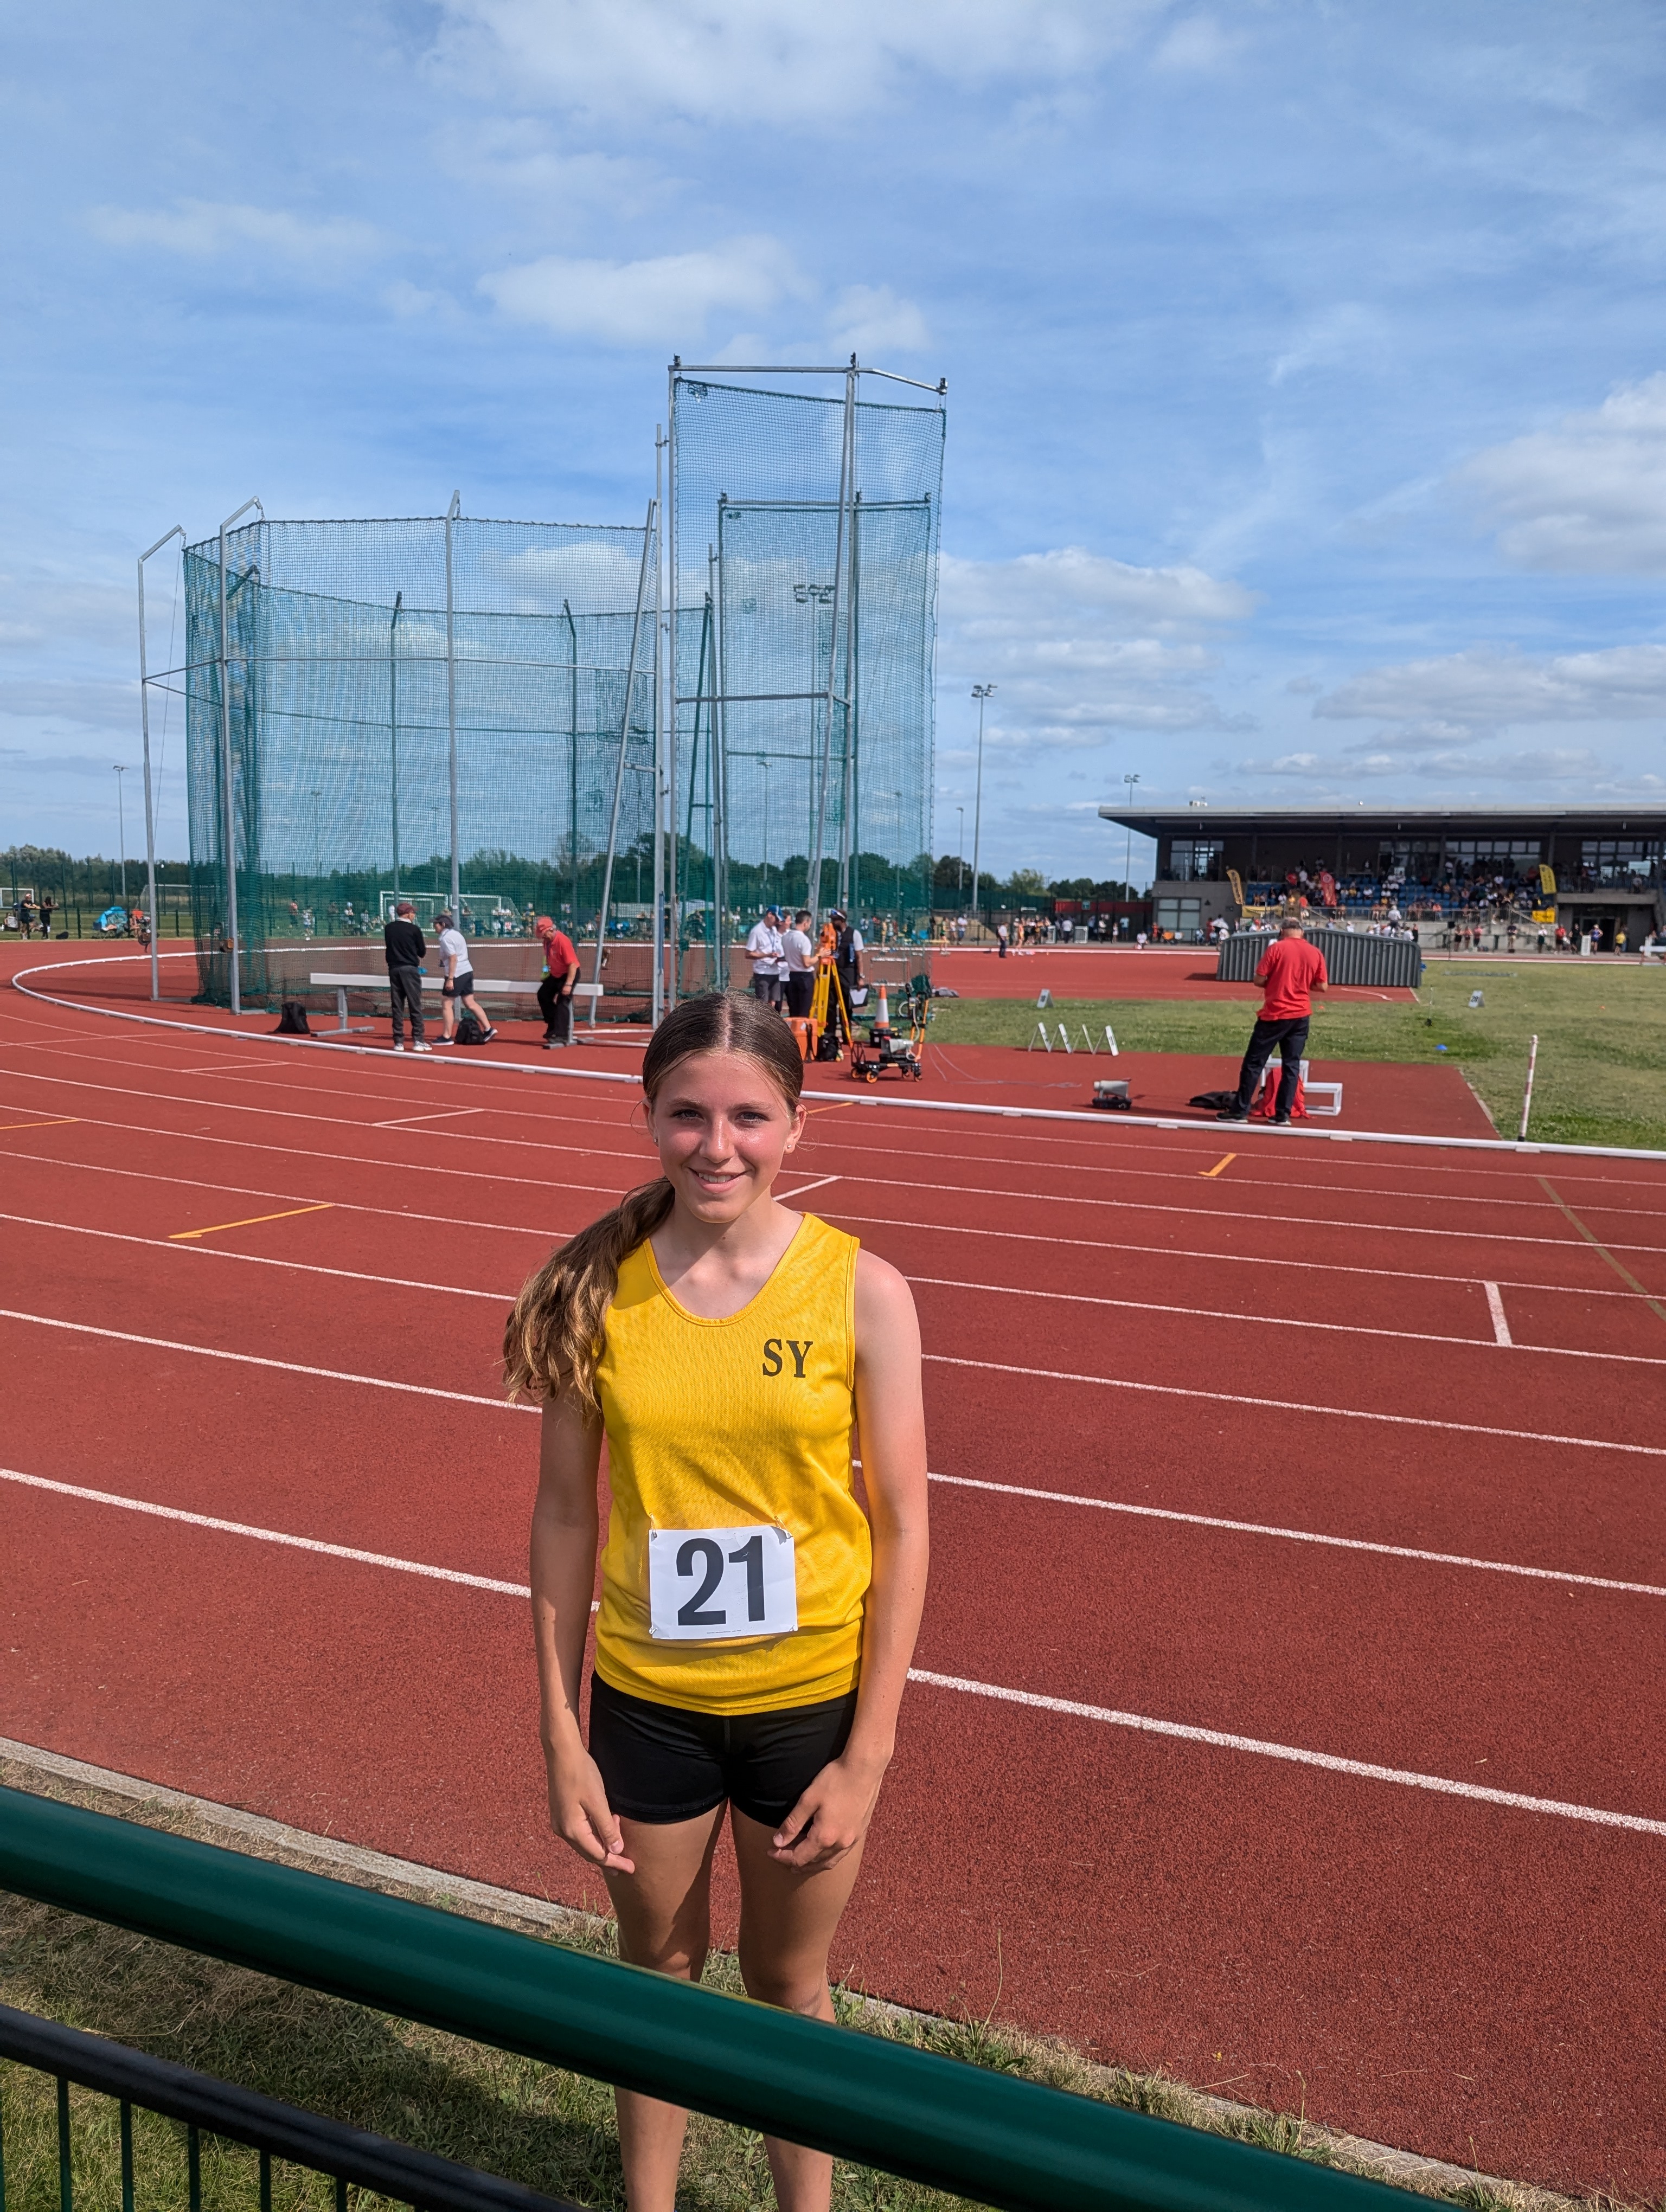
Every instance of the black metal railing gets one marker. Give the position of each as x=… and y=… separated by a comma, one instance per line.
x=275, y=2130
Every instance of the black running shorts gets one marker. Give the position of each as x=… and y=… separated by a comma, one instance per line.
x=663, y=1763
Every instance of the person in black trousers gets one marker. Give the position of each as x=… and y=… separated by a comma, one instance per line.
x=406, y=949
x=1290, y=971
x=555, y=991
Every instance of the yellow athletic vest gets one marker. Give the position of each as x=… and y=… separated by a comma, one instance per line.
x=722, y=1423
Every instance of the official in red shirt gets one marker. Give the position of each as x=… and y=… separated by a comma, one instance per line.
x=555, y=991
x=1292, y=971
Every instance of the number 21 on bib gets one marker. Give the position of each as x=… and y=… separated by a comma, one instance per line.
x=708, y=1584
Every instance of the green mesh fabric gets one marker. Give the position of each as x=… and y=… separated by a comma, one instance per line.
x=803, y=653
x=336, y=682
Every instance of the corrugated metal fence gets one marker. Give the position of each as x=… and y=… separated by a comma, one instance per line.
x=1350, y=958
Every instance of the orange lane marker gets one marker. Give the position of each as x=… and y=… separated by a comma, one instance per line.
x=1218, y=1165
x=59, y=1122
x=184, y=1235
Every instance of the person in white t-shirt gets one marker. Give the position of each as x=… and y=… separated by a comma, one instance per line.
x=457, y=988
x=765, y=951
x=800, y=956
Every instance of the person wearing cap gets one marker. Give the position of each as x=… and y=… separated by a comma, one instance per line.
x=555, y=991
x=405, y=949
x=768, y=959
x=457, y=988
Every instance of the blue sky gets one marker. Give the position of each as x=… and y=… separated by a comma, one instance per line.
x=1307, y=380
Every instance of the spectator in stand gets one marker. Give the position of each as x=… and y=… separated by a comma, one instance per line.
x=405, y=948
x=557, y=984
x=1291, y=970
x=459, y=984
x=764, y=950
x=800, y=955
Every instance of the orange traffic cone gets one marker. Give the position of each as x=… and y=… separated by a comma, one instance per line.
x=882, y=1019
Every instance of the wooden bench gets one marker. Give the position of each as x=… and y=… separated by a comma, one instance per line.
x=373, y=980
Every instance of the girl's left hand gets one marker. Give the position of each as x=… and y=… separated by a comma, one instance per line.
x=831, y=1817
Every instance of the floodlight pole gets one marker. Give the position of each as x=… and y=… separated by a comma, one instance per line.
x=178, y=531
x=980, y=692
x=226, y=765
x=1128, y=849
x=960, y=869
x=121, y=830
x=846, y=474
x=452, y=514
x=393, y=730
x=657, y=997
x=619, y=771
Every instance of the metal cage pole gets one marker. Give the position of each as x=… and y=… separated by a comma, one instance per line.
x=717, y=763
x=226, y=764
x=393, y=730
x=452, y=514
x=847, y=471
x=573, y=761
x=619, y=771
x=657, y=999
x=178, y=531
x=848, y=826
x=675, y=931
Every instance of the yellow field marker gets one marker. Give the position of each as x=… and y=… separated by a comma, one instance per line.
x=1218, y=1165
x=61, y=1121
x=182, y=1235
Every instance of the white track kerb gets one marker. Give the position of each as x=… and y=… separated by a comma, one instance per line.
x=891, y=1103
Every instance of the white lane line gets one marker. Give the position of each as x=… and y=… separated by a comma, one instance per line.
x=1070, y=1707
x=804, y=1187
x=1284, y=1406
x=262, y=1260
x=1283, y=1220
x=1300, y=1535
x=380, y=1213
x=1220, y=1739
x=406, y=1120
x=1500, y=1333
x=265, y=1536
x=284, y=1366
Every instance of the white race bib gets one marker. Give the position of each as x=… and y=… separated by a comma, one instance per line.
x=706, y=1583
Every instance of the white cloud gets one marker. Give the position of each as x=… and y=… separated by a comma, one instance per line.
x=1588, y=495
x=1487, y=688
x=666, y=299
x=1038, y=591
x=758, y=63
x=870, y=318
x=209, y=230
x=1198, y=42
x=1348, y=336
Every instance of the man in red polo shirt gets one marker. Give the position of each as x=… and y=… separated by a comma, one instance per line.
x=1292, y=970
x=555, y=990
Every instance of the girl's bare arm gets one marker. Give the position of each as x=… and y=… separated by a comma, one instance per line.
x=563, y=1574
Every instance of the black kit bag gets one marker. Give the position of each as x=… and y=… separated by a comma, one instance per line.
x=1216, y=1102
x=470, y=1027
x=292, y=1020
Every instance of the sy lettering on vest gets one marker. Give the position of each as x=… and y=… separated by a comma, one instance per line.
x=775, y=1364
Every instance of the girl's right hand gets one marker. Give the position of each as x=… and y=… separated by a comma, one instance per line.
x=581, y=1816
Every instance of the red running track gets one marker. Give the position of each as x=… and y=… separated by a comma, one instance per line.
x=1353, y=1455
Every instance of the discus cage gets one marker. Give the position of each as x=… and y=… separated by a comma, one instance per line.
x=650, y=733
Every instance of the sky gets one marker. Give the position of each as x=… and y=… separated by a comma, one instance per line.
x=1306, y=372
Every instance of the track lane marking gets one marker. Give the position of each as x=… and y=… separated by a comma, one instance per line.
x=1597, y=1242
x=1272, y=1405
x=57, y=1121
x=1299, y=1535
x=1208, y=1173
x=939, y=1358
x=439, y=1114
x=1070, y=1707
x=1500, y=1338
x=804, y=1187
x=1220, y=1739
x=253, y=1221
x=262, y=1259
x=958, y=1190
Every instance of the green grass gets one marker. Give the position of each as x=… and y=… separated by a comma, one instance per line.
x=537, y=2125
x=1602, y=1031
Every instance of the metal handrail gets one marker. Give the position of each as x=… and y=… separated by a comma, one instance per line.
x=410, y=2177
x=991, y=2136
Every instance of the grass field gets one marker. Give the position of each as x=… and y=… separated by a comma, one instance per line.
x=534, y=2123
x=1602, y=1031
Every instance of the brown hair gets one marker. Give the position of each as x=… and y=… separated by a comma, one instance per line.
x=553, y=1339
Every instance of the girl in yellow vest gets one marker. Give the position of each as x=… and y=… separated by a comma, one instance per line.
x=756, y=1623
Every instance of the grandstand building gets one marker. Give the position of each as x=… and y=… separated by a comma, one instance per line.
x=1589, y=864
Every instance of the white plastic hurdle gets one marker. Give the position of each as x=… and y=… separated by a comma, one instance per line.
x=342, y=984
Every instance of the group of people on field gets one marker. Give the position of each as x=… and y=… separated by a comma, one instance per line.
x=27, y=911
x=406, y=948
x=784, y=961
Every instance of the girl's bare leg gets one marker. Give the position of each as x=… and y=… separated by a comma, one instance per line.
x=787, y=1919
x=665, y=1923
